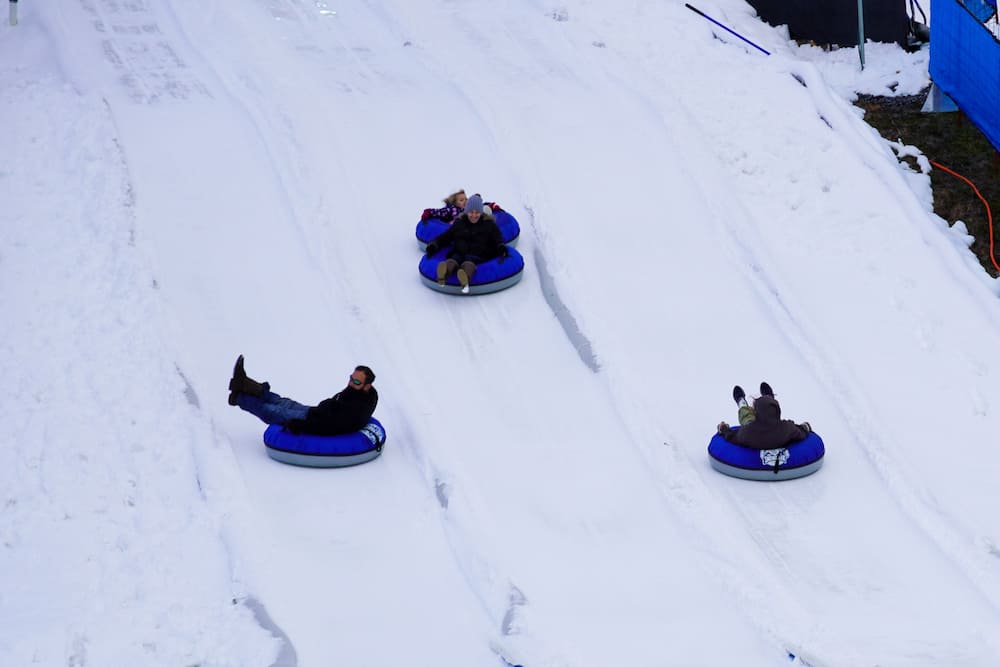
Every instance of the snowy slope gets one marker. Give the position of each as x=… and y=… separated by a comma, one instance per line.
x=190, y=181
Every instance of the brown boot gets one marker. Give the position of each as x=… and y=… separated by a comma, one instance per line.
x=465, y=275
x=240, y=383
x=254, y=388
x=247, y=386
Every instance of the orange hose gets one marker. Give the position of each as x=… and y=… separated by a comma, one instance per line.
x=989, y=214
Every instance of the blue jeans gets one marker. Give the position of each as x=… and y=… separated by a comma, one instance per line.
x=272, y=408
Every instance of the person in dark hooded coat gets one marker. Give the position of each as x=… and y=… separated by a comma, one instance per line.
x=761, y=426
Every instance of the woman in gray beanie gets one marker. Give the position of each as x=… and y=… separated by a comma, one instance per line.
x=475, y=238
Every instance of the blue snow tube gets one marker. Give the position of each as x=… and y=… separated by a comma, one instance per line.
x=490, y=276
x=797, y=459
x=325, y=451
x=428, y=230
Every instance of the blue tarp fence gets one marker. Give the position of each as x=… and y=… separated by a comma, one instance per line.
x=965, y=60
x=983, y=10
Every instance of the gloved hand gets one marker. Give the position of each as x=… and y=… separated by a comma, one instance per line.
x=427, y=214
x=431, y=249
x=294, y=425
x=503, y=252
x=495, y=207
x=805, y=426
x=722, y=428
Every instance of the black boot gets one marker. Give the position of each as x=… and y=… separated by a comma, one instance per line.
x=238, y=373
x=739, y=395
x=236, y=382
x=765, y=390
x=242, y=384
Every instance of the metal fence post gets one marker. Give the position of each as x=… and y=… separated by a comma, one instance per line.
x=861, y=32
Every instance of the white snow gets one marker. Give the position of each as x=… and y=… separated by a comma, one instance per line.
x=184, y=181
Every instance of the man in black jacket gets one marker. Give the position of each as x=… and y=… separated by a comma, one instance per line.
x=348, y=411
x=761, y=426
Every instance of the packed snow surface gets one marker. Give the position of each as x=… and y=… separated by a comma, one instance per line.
x=186, y=181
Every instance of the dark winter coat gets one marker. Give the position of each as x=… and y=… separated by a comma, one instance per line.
x=768, y=430
x=482, y=239
x=346, y=412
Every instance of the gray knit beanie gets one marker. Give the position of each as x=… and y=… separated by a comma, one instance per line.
x=475, y=203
